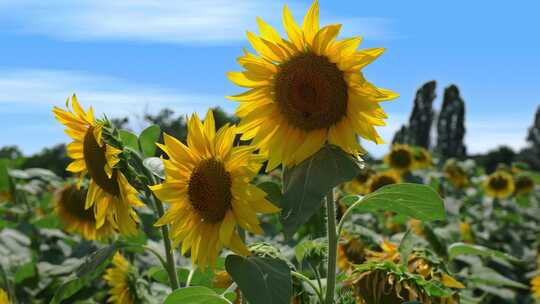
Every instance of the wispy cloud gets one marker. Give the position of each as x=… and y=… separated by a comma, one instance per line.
x=186, y=21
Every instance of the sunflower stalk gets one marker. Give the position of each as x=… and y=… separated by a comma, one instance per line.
x=332, y=247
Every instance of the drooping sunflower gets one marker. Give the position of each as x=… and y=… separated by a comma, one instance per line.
x=455, y=174
x=4, y=299
x=359, y=184
x=499, y=184
x=120, y=282
x=306, y=91
x=109, y=192
x=69, y=204
x=524, y=184
x=400, y=158
x=422, y=158
x=208, y=188
x=381, y=179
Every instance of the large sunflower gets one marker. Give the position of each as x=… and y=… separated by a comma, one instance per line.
x=109, y=192
x=306, y=91
x=208, y=188
x=400, y=158
x=120, y=283
x=69, y=205
x=499, y=184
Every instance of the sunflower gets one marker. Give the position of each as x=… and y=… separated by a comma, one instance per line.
x=535, y=287
x=120, y=282
x=466, y=232
x=351, y=251
x=524, y=184
x=381, y=179
x=400, y=158
x=389, y=253
x=499, y=184
x=4, y=299
x=359, y=184
x=306, y=91
x=454, y=173
x=208, y=188
x=69, y=206
x=422, y=158
x=109, y=192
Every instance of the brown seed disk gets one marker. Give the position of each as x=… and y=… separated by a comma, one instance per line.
x=95, y=159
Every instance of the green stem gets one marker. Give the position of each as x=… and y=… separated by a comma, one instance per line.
x=190, y=275
x=310, y=283
x=169, y=255
x=346, y=214
x=332, y=247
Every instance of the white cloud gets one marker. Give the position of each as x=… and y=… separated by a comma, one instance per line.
x=186, y=21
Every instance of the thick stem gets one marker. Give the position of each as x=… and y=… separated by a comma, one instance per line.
x=171, y=268
x=332, y=247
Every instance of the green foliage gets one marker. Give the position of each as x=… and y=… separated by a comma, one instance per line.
x=458, y=249
x=148, y=139
x=262, y=280
x=305, y=185
x=195, y=295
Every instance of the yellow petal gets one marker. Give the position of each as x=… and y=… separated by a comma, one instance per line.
x=310, y=26
x=227, y=228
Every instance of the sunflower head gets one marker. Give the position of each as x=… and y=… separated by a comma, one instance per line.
x=359, y=184
x=499, y=184
x=69, y=204
x=208, y=188
x=4, y=298
x=455, y=174
x=382, y=179
x=350, y=251
x=400, y=158
x=109, y=192
x=524, y=184
x=422, y=158
x=386, y=282
x=306, y=90
x=121, y=281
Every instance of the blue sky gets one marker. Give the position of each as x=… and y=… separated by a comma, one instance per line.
x=126, y=57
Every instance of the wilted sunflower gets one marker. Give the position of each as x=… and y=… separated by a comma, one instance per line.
x=306, y=91
x=389, y=253
x=351, y=251
x=109, y=191
x=359, y=184
x=400, y=158
x=499, y=184
x=422, y=158
x=4, y=299
x=69, y=205
x=208, y=187
x=455, y=174
x=120, y=282
x=524, y=184
x=382, y=179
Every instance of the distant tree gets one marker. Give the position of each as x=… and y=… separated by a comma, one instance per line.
x=174, y=126
x=418, y=131
x=54, y=159
x=492, y=159
x=451, y=125
x=121, y=123
x=531, y=154
x=11, y=152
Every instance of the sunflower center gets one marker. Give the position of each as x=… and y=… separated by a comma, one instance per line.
x=354, y=251
x=382, y=181
x=209, y=190
x=73, y=199
x=498, y=183
x=311, y=92
x=524, y=183
x=95, y=159
x=401, y=158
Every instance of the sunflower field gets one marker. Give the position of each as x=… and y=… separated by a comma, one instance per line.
x=280, y=206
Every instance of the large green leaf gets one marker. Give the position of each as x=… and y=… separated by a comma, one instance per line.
x=406, y=246
x=195, y=295
x=148, y=139
x=92, y=268
x=261, y=280
x=414, y=200
x=129, y=139
x=488, y=276
x=305, y=185
x=457, y=249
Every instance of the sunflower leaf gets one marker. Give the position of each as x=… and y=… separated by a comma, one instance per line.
x=148, y=139
x=261, y=280
x=458, y=249
x=195, y=295
x=129, y=140
x=305, y=185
